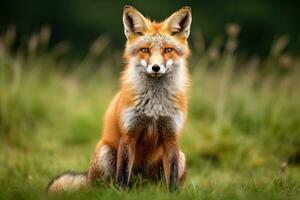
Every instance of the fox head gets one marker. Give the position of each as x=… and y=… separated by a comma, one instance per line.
x=156, y=48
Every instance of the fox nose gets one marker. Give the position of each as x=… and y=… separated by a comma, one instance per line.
x=155, y=68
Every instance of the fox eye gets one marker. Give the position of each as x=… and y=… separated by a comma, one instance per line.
x=145, y=50
x=168, y=50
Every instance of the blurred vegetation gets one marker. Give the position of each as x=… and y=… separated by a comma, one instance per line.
x=80, y=22
x=242, y=140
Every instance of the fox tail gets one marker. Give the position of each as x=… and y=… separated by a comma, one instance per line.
x=68, y=181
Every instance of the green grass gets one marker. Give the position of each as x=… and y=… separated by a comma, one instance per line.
x=242, y=140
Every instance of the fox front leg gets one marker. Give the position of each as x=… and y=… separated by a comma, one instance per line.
x=171, y=156
x=171, y=163
x=125, y=159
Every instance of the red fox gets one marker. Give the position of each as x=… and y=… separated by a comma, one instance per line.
x=145, y=119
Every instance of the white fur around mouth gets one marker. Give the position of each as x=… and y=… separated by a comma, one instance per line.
x=155, y=74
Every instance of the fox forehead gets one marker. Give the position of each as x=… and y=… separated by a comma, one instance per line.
x=156, y=41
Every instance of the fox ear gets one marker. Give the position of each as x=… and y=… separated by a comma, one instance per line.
x=134, y=22
x=179, y=23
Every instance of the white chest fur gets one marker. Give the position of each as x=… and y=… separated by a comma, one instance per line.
x=154, y=99
x=131, y=114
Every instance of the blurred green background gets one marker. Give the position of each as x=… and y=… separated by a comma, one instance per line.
x=60, y=62
x=80, y=22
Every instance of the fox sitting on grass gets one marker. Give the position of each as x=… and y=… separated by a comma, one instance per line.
x=145, y=119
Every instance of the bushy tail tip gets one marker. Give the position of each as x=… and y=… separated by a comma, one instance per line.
x=68, y=181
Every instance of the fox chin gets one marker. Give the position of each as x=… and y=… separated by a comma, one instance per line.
x=145, y=119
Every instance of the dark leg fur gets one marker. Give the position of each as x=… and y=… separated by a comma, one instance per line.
x=174, y=177
x=170, y=163
x=125, y=159
x=122, y=178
